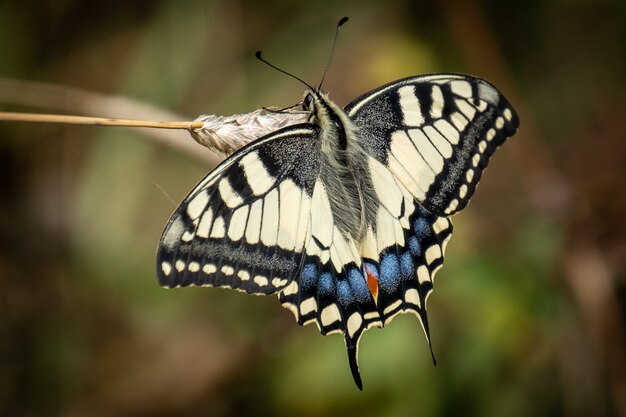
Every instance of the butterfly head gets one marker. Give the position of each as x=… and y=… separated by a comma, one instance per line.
x=317, y=104
x=313, y=103
x=324, y=113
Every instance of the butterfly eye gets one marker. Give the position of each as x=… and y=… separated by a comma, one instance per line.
x=307, y=102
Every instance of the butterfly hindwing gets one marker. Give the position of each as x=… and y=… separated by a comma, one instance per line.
x=229, y=230
x=347, y=286
x=331, y=290
x=436, y=134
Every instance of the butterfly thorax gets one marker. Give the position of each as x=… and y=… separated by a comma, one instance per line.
x=343, y=167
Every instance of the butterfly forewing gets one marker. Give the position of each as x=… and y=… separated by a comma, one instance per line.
x=436, y=134
x=244, y=226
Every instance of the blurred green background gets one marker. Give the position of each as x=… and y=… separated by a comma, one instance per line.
x=528, y=316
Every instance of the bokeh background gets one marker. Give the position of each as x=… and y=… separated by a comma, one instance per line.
x=528, y=315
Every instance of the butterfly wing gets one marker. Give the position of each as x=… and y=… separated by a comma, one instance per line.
x=244, y=226
x=428, y=140
x=435, y=133
x=262, y=223
x=332, y=290
x=347, y=287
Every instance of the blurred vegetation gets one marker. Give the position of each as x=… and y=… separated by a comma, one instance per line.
x=528, y=315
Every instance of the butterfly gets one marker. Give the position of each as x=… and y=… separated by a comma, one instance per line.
x=346, y=216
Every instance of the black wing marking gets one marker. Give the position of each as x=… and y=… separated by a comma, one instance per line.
x=435, y=133
x=229, y=231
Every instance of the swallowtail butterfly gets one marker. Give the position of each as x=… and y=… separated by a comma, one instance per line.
x=345, y=217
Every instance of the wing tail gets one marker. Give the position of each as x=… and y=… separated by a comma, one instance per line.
x=354, y=366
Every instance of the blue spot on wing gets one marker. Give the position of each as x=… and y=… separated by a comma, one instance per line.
x=308, y=277
x=344, y=293
x=421, y=227
x=414, y=246
x=358, y=284
x=326, y=284
x=389, y=273
x=407, y=269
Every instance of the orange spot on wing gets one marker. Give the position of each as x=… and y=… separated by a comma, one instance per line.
x=372, y=282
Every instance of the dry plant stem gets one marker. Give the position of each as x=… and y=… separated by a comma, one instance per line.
x=222, y=135
x=96, y=121
x=65, y=99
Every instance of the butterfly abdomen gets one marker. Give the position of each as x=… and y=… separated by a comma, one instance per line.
x=343, y=169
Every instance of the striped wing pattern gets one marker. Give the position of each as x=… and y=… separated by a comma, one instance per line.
x=436, y=134
x=244, y=226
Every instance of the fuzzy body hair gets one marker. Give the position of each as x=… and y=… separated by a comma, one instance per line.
x=344, y=168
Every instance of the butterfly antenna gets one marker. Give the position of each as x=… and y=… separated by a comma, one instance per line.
x=260, y=58
x=332, y=50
